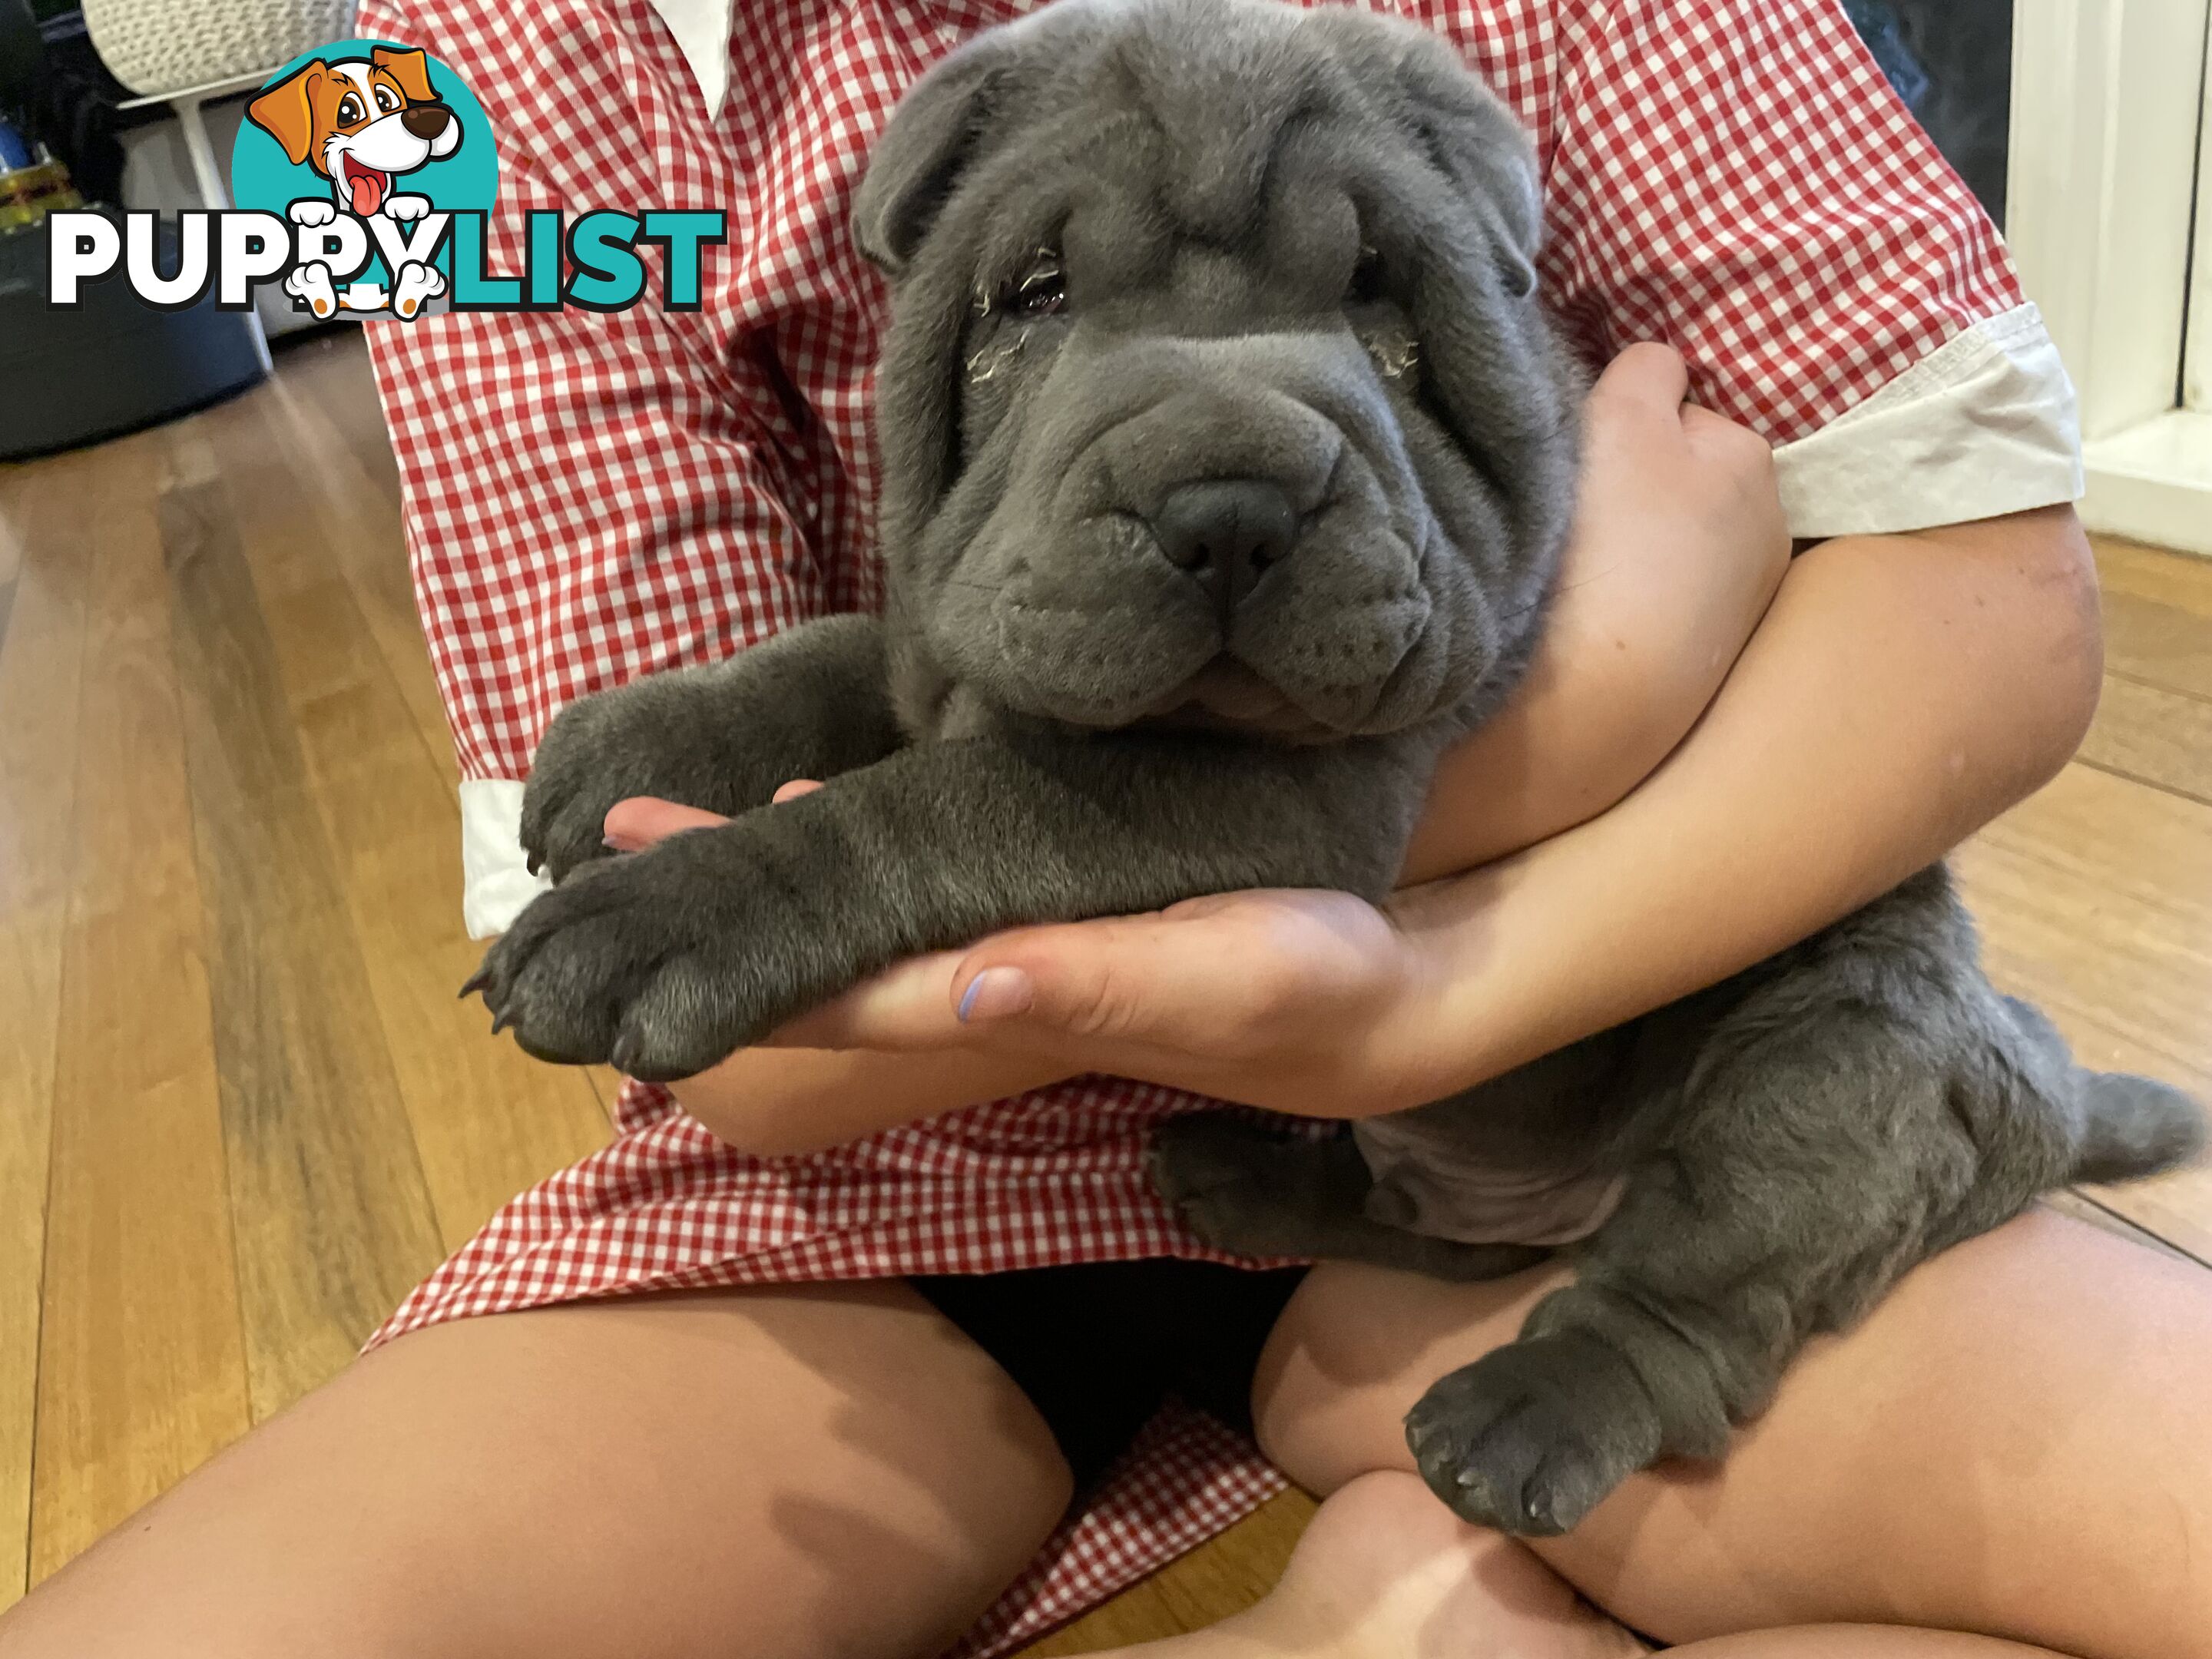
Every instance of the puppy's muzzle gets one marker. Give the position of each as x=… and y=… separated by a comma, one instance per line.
x=1226, y=533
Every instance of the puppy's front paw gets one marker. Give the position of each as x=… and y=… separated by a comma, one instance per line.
x=1529, y=1437
x=660, y=964
x=407, y=208
x=310, y=212
x=586, y=762
x=602, y=749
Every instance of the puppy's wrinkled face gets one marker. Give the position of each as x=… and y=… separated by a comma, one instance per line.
x=1217, y=389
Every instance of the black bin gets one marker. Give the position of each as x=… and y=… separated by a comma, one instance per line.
x=113, y=363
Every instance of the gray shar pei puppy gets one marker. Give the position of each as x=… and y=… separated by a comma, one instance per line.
x=1229, y=454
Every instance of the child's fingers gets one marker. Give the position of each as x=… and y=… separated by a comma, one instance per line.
x=906, y=1007
x=1649, y=373
x=634, y=824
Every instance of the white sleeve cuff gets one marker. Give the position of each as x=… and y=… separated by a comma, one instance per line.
x=1984, y=425
x=495, y=879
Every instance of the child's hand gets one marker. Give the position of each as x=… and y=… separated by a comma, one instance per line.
x=1297, y=1000
x=1679, y=546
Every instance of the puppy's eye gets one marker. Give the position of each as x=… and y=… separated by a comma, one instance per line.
x=386, y=100
x=1043, y=289
x=1366, y=286
x=351, y=110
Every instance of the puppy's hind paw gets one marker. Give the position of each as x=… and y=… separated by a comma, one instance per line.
x=1206, y=1152
x=1245, y=1188
x=1532, y=1436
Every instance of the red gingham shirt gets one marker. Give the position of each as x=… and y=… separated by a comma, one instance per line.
x=590, y=497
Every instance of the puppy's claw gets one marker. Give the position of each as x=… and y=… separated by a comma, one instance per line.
x=474, y=983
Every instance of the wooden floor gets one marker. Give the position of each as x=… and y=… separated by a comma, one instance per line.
x=240, y=1110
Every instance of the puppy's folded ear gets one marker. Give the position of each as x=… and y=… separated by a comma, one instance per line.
x=1463, y=129
x=918, y=161
x=1476, y=143
x=285, y=111
x=410, y=68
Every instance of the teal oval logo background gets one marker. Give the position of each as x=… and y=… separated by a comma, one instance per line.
x=263, y=176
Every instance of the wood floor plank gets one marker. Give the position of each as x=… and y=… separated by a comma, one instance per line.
x=487, y=1120
x=141, y=1371
x=2175, y=1208
x=11, y=543
x=2095, y=896
x=2154, y=735
x=2154, y=573
x=332, y=1218
x=2084, y=1208
x=2095, y=901
x=43, y=568
x=336, y=376
x=324, y=406
x=606, y=1083
x=2158, y=617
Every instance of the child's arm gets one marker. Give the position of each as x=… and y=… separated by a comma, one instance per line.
x=1680, y=544
x=1901, y=691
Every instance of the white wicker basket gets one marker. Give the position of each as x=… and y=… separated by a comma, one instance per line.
x=158, y=46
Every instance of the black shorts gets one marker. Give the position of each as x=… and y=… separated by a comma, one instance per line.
x=1097, y=1348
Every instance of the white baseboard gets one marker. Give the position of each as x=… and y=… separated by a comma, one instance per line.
x=2153, y=483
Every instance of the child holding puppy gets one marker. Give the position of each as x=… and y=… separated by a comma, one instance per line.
x=815, y=1364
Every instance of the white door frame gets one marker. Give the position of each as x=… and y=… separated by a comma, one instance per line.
x=2106, y=96
x=2196, y=348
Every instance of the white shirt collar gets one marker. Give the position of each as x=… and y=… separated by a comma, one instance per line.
x=702, y=29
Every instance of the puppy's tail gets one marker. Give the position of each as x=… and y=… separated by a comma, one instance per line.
x=2125, y=1126
x=2133, y=1127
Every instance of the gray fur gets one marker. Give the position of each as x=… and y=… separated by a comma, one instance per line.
x=1085, y=732
x=1297, y=252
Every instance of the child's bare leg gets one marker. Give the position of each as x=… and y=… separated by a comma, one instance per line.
x=786, y=1473
x=1387, y=1572
x=1858, y=1642
x=2013, y=1444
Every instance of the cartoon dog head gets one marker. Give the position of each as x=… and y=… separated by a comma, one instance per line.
x=360, y=122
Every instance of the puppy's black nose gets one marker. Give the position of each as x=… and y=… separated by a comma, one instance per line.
x=1226, y=532
x=425, y=120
